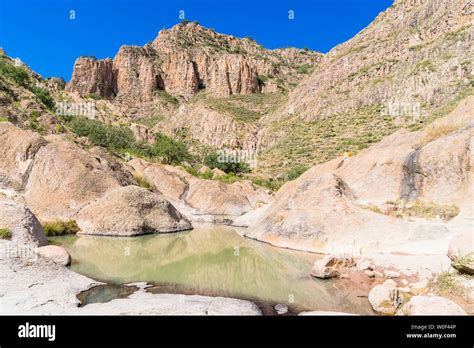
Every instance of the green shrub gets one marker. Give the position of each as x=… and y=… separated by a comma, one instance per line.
x=5, y=233
x=213, y=160
x=166, y=97
x=17, y=74
x=111, y=137
x=207, y=175
x=169, y=150
x=295, y=172
x=60, y=228
x=44, y=96
x=262, y=79
x=33, y=122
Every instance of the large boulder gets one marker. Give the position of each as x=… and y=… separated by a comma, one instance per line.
x=385, y=298
x=204, y=197
x=216, y=198
x=315, y=212
x=375, y=174
x=64, y=179
x=461, y=252
x=55, y=253
x=22, y=223
x=171, y=182
x=431, y=305
x=329, y=266
x=18, y=148
x=131, y=211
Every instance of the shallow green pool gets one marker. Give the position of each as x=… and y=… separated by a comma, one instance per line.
x=212, y=260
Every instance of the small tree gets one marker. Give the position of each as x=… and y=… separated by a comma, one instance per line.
x=171, y=151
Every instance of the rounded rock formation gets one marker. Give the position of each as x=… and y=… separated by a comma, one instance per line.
x=131, y=211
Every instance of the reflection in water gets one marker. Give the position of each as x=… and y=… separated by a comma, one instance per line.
x=212, y=260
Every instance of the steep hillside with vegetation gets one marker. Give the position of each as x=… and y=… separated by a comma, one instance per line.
x=411, y=65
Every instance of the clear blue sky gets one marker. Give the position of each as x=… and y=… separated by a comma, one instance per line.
x=41, y=34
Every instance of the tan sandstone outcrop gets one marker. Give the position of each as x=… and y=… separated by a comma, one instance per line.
x=331, y=201
x=203, y=197
x=18, y=148
x=22, y=223
x=65, y=178
x=184, y=60
x=131, y=211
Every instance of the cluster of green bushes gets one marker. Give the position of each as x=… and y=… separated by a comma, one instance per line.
x=20, y=76
x=295, y=172
x=229, y=165
x=111, y=137
x=60, y=228
x=44, y=97
x=121, y=139
x=17, y=74
x=33, y=122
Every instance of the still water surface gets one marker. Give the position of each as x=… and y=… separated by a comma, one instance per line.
x=212, y=260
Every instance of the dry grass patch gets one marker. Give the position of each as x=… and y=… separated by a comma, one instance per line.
x=437, y=131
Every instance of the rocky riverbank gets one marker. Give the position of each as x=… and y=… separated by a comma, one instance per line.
x=32, y=284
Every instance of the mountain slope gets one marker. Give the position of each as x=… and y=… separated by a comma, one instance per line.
x=401, y=71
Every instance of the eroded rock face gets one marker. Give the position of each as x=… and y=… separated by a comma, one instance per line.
x=64, y=179
x=432, y=305
x=184, y=60
x=311, y=211
x=131, y=211
x=351, y=196
x=204, y=197
x=22, y=223
x=92, y=76
x=18, y=148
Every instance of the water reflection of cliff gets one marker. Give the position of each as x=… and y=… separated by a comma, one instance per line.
x=211, y=260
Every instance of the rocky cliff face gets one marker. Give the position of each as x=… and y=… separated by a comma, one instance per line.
x=348, y=203
x=186, y=59
x=415, y=58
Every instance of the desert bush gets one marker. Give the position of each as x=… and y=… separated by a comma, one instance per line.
x=5, y=233
x=268, y=183
x=213, y=160
x=435, y=132
x=60, y=228
x=169, y=150
x=111, y=137
x=17, y=74
x=295, y=172
x=142, y=182
x=44, y=96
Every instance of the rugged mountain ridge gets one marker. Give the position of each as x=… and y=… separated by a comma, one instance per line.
x=186, y=59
